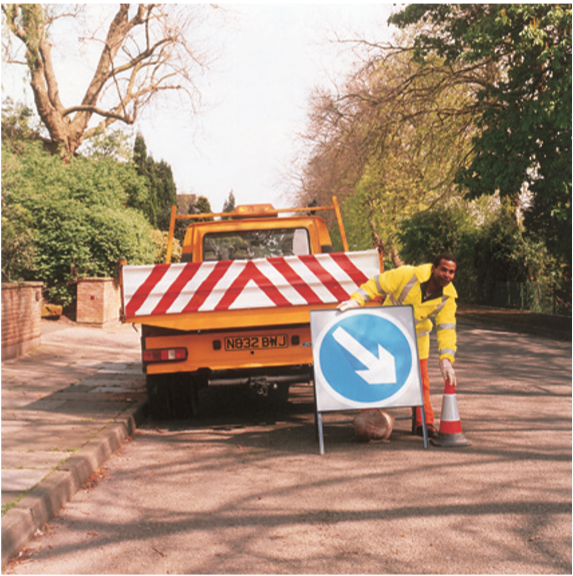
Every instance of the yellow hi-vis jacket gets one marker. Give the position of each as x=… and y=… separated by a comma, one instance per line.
x=402, y=287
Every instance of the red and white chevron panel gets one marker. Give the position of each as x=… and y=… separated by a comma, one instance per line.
x=241, y=284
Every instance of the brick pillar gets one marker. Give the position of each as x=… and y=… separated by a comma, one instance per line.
x=98, y=301
x=21, y=318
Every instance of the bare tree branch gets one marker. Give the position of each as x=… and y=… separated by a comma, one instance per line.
x=146, y=51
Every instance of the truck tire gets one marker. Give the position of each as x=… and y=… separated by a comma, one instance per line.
x=171, y=396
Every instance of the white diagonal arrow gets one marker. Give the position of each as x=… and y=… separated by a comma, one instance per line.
x=381, y=370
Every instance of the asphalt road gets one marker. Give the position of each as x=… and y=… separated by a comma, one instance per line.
x=245, y=491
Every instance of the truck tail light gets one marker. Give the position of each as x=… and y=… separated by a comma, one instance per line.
x=165, y=354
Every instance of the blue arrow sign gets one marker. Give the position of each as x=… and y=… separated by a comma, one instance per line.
x=365, y=358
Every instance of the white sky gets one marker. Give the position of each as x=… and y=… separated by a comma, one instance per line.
x=256, y=97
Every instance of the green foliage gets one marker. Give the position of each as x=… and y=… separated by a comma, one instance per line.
x=166, y=191
x=202, y=205
x=19, y=124
x=451, y=229
x=160, y=238
x=523, y=113
x=18, y=249
x=162, y=189
x=489, y=245
x=78, y=215
x=115, y=144
x=426, y=234
x=357, y=229
x=229, y=205
x=503, y=254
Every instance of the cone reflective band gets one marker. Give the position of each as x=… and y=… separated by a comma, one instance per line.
x=450, y=419
x=450, y=423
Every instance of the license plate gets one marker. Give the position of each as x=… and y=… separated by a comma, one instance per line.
x=256, y=342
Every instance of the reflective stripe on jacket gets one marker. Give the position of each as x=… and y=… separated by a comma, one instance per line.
x=401, y=287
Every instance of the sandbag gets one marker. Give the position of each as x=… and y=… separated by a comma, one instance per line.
x=373, y=425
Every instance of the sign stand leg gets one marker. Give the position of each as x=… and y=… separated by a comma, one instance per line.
x=320, y=435
x=424, y=427
x=315, y=412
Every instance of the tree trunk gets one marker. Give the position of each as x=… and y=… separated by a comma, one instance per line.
x=396, y=260
x=378, y=244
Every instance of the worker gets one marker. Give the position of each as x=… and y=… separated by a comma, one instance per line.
x=429, y=290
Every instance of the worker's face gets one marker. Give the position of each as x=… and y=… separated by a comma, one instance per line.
x=444, y=273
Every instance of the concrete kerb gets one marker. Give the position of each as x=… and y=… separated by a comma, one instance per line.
x=44, y=501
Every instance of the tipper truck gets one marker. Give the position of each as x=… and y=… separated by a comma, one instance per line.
x=236, y=310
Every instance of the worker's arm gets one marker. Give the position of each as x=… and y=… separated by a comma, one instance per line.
x=379, y=285
x=447, y=339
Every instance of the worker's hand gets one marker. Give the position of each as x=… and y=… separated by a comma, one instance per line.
x=348, y=305
x=448, y=371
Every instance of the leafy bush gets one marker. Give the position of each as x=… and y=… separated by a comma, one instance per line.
x=451, y=229
x=504, y=254
x=78, y=215
x=489, y=245
x=160, y=240
x=18, y=248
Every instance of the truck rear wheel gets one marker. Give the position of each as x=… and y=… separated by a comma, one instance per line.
x=172, y=396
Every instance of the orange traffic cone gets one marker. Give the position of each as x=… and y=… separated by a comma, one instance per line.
x=450, y=425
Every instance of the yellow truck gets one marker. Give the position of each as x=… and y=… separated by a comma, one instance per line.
x=236, y=310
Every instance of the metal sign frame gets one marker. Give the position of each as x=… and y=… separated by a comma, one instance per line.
x=357, y=345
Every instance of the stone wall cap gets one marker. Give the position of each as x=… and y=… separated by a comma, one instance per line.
x=95, y=279
x=18, y=285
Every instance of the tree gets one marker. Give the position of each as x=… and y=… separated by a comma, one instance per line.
x=146, y=52
x=202, y=206
x=162, y=188
x=389, y=143
x=166, y=193
x=524, y=116
x=229, y=205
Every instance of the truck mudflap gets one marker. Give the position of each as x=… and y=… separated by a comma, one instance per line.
x=170, y=295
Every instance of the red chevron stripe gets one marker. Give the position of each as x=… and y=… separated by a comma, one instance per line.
x=357, y=276
x=142, y=293
x=295, y=280
x=175, y=289
x=251, y=272
x=329, y=282
x=204, y=290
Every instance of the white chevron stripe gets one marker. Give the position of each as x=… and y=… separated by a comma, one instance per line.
x=311, y=280
x=280, y=282
x=218, y=290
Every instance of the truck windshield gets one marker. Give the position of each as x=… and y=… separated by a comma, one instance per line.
x=249, y=244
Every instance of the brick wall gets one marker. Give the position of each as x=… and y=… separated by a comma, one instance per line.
x=21, y=318
x=98, y=301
